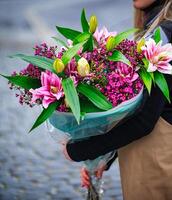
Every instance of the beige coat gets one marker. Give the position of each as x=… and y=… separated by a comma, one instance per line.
x=146, y=165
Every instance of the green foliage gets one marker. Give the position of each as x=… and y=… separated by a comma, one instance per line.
x=95, y=96
x=162, y=84
x=117, y=56
x=45, y=114
x=70, y=53
x=124, y=35
x=24, y=81
x=84, y=22
x=147, y=79
x=88, y=46
x=39, y=61
x=60, y=41
x=68, y=33
x=81, y=38
x=88, y=107
x=157, y=35
x=72, y=97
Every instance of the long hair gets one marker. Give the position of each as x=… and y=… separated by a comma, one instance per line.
x=165, y=14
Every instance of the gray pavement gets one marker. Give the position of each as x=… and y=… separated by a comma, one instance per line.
x=31, y=165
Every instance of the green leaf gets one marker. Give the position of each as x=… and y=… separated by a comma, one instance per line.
x=81, y=38
x=152, y=76
x=162, y=84
x=88, y=107
x=146, y=65
x=68, y=33
x=60, y=41
x=124, y=35
x=157, y=35
x=24, y=81
x=145, y=62
x=46, y=113
x=88, y=46
x=72, y=97
x=117, y=56
x=77, y=57
x=71, y=52
x=84, y=22
x=95, y=96
x=147, y=79
x=39, y=61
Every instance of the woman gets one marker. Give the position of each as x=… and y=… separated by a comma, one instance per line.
x=144, y=141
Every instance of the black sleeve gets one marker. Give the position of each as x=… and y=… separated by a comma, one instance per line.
x=140, y=125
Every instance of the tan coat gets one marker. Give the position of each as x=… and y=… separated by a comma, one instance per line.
x=146, y=165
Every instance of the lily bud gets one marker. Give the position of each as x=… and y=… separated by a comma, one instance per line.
x=83, y=67
x=110, y=43
x=58, y=65
x=93, y=23
x=140, y=44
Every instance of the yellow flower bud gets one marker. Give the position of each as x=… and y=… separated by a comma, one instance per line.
x=110, y=43
x=140, y=44
x=83, y=67
x=93, y=23
x=58, y=65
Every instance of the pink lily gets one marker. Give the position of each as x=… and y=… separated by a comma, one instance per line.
x=158, y=56
x=103, y=34
x=50, y=91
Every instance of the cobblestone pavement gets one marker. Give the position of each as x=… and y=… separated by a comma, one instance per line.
x=31, y=165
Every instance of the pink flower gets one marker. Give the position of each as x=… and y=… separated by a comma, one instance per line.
x=103, y=34
x=126, y=71
x=50, y=91
x=158, y=56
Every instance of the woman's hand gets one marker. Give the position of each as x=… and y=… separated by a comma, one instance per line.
x=85, y=178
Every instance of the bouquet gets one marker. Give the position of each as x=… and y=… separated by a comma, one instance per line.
x=89, y=83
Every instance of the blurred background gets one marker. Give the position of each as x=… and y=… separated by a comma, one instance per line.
x=31, y=165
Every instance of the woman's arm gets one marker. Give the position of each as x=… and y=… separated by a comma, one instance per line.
x=140, y=125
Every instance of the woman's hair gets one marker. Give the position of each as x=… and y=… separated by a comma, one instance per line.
x=165, y=14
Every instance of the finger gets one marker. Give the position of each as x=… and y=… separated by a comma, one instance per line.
x=95, y=173
x=85, y=184
x=85, y=181
x=85, y=176
x=85, y=171
x=99, y=173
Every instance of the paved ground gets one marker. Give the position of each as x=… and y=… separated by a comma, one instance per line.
x=31, y=166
